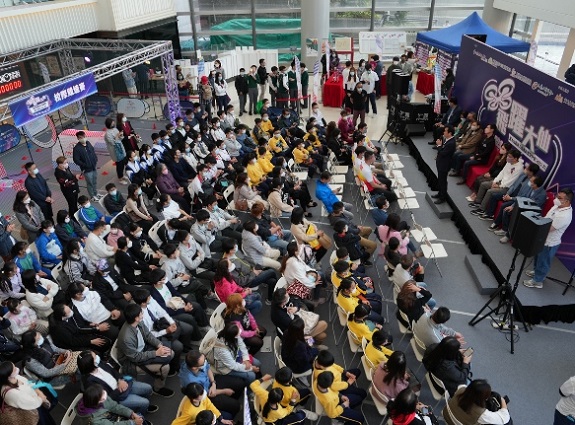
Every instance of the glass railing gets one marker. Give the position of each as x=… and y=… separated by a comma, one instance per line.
x=10, y=3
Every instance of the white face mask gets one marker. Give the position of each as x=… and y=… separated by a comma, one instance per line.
x=67, y=220
x=124, y=119
x=139, y=234
x=129, y=244
x=104, y=397
x=243, y=303
x=97, y=361
x=40, y=341
x=28, y=251
x=114, y=192
x=36, y=171
x=15, y=373
x=557, y=202
x=87, y=205
x=231, y=267
x=51, y=230
x=27, y=201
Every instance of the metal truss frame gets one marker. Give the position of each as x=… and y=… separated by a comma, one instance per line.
x=136, y=52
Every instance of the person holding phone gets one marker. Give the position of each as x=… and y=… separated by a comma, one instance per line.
x=449, y=363
x=406, y=409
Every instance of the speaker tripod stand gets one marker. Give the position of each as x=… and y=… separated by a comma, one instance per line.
x=507, y=301
x=394, y=130
x=568, y=284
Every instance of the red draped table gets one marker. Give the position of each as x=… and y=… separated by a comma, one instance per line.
x=333, y=92
x=425, y=83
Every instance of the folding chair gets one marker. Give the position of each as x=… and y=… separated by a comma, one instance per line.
x=216, y=319
x=153, y=233
x=101, y=202
x=368, y=366
x=118, y=215
x=281, y=283
x=437, y=395
x=280, y=363
x=354, y=346
x=257, y=406
x=450, y=414
x=406, y=331
x=342, y=316
x=56, y=272
x=296, y=170
x=70, y=414
x=379, y=405
x=318, y=408
x=418, y=348
x=82, y=224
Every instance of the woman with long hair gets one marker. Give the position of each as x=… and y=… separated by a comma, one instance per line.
x=391, y=378
x=301, y=231
x=272, y=410
x=395, y=228
x=127, y=392
x=77, y=265
x=486, y=178
x=16, y=392
x=225, y=286
x=447, y=363
x=231, y=357
x=256, y=249
x=298, y=352
x=130, y=138
x=360, y=325
x=29, y=214
x=96, y=408
x=405, y=409
x=47, y=361
x=412, y=300
x=221, y=91
x=295, y=270
x=113, y=138
x=237, y=312
x=40, y=293
x=245, y=193
x=292, y=186
x=68, y=229
x=11, y=282
x=25, y=259
x=136, y=208
x=469, y=406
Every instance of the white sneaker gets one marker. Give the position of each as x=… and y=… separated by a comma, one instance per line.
x=530, y=273
x=532, y=284
x=500, y=232
x=95, y=198
x=312, y=416
x=504, y=239
x=470, y=198
x=123, y=181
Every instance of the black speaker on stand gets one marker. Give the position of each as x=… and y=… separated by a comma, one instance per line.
x=522, y=204
x=531, y=232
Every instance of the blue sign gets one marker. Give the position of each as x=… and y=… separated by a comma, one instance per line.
x=44, y=102
x=9, y=137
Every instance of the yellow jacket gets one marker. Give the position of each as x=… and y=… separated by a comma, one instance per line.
x=347, y=302
x=337, y=370
x=361, y=330
x=288, y=391
x=277, y=144
x=336, y=280
x=267, y=126
x=377, y=355
x=255, y=173
x=262, y=396
x=189, y=411
x=300, y=155
x=329, y=401
x=265, y=164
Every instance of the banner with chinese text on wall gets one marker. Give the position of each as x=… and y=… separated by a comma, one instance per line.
x=532, y=110
x=44, y=102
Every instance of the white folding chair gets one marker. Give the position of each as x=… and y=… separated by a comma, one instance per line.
x=257, y=407
x=118, y=215
x=153, y=233
x=418, y=348
x=342, y=316
x=82, y=224
x=354, y=346
x=450, y=414
x=437, y=395
x=229, y=191
x=70, y=414
x=406, y=331
x=367, y=364
x=281, y=283
x=56, y=272
x=114, y=352
x=278, y=352
x=380, y=405
x=216, y=319
x=209, y=336
x=318, y=408
x=101, y=202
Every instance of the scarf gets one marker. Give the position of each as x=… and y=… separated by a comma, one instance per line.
x=403, y=419
x=68, y=228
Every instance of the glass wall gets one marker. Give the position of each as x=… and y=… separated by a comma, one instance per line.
x=347, y=18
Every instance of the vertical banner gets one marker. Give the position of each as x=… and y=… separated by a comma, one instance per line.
x=532, y=110
x=437, y=87
x=298, y=76
x=316, y=80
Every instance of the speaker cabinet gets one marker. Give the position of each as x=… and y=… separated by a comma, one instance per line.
x=415, y=130
x=531, y=232
x=522, y=204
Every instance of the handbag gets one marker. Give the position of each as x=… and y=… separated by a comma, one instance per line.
x=176, y=303
x=298, y=289
x=16, y=416
x=242, y=205
x=312, y=230
x=310, y=319
x=24, y=234
x=160, y=324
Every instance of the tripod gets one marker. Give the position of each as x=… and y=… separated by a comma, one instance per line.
x=507, y=300
x=568, y=284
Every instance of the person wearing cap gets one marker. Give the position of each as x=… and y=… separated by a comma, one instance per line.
x=110, y=285
x=206, y=94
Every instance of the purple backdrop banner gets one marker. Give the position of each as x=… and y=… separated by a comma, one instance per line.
x=532, y=110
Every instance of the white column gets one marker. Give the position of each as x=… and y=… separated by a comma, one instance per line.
x=498, y=19
x=535, y=35
x=314, y=24
x=567, y=57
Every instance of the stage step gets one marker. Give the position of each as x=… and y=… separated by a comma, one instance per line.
x=441, y=210
x=481, y=274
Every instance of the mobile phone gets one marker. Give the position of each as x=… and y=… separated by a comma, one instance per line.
x=468, y=352
x=424, y=410
x=506, y=398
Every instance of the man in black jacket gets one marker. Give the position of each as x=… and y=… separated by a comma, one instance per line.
x=358, y=99
x=241, y=84
x=263, y=76
x=570, y=75
x=84, y=156
x=38, y=190
x=482, y=152
x=451, y=117
x=445, y=151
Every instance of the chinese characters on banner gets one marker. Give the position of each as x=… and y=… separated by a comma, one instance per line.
x=44, y=102
x=532, y=110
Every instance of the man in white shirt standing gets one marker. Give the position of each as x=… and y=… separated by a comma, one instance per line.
x=369, y=79
x=561, y=214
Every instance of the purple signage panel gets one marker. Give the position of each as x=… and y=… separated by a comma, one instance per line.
x=532, y=110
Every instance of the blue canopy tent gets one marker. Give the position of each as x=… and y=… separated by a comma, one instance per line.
x=449, y=39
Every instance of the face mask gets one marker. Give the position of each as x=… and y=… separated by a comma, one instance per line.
x=51, y=230
x=556, y=202
x=359, y=89
x=181, y=124
x=352, y=73
x=138, y=235
x=217, y=125
x=27, y=201
x=473, y=127
x=40, y=341
x=114, y=192
x=81, y=249
x=88, y=205
x=83, y=141
x=315, y=110
x=166, y=137
x=97, y=361
x=267, y=105
x=231, y=267
x=69, y=316
x=243, y=303
x=67, y=220
x=165, y=172
x=124, y=119
x=345, y=229
x=139, y=192
x=104, y=397
x=36, y=171
x=114, y=231
x=256, y=229
x=395, y=62
x=173, y=130
x=286, y=116
x=15, y=373
x=242, y=74
x=129, y=244
x=311, y=278
x=188, y=150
